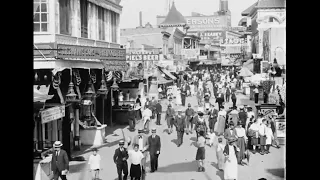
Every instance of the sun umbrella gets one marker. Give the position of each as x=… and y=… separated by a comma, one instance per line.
x=40, y=96
x=256, y=78
x=245, y=72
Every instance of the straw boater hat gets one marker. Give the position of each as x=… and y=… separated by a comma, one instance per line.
x=57, y=144
x=232, y=139
x=140, y=130
x=121, y=142
x=153, y=130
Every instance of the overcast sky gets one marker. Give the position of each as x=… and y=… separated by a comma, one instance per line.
x=151, y=8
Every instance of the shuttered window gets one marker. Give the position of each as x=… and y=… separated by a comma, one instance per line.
x=64, y=13
x=101, y=21
x=84, y=18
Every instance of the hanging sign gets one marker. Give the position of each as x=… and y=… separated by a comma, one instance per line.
x=86, y=52
x=52, y=114
x=143, y=56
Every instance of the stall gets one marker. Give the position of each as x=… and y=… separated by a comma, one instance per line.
x=125, y=96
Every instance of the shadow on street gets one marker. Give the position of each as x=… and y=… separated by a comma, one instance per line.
x=180, y=167
x=276, y=172
x=78, y=167
x=174, y=141
x=218, y=173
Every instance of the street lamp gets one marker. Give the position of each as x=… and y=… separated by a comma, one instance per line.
x=114, y=87
x=103, y=91
x=71, y=96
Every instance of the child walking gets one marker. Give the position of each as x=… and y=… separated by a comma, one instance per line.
x=219, y=153
x=212, y=136
x=94, y=162
x=270, y=137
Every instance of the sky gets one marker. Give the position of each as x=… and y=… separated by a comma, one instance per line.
x=151, y=8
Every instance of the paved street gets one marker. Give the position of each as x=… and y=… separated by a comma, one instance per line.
x=178, y=163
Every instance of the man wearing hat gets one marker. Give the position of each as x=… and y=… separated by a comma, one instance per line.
x=179, y=122
x=120, y=159
x=250, y=116
x=59, y=162
x=213, y=115
x=142, y=140
x=170, y=113
x=154, y=149
x=183, y=94
x=230, y=132
x=158, y=112
x=189, y=118
x=132, y=118
x=146, y=116
x=243, y=117
x=220, y=99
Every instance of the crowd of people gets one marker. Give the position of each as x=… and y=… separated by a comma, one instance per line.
x=245, y=132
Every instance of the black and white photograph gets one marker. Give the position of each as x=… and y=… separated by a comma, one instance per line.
x=159, y=89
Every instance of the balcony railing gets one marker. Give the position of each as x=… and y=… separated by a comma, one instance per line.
x=80, y=41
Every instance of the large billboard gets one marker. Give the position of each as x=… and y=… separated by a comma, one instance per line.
x=201, y=23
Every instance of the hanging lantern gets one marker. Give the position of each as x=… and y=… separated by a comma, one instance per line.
x=114, y=85
x=103, y=88
x=36, y=77
x=45, y=77
x=89, y=91
x=71, y=96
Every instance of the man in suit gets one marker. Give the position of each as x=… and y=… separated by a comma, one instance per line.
x=220, y=99
x=147, y=104
x=170, y=113
x=213, y=115
x=59, y=162
x=183, y=94
x=132, y=118
x=158, y=112
x=142, y=140
x=243, y=117
x=230, y=132
x=154, y=149
x=179, y=122
x=120, y=159
x=228, y=93
x=189, y=119
x=153, y=107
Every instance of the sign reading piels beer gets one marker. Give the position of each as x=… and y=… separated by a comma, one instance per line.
x=142, y=56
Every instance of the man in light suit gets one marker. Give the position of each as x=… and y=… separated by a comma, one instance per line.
x=142, y=140
x=59, y=162
x=154, y=149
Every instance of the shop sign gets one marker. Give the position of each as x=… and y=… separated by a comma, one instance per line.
x=207, y=22
x=142, y=56
x=234, y=41
x=239, y=28
x=85, y=52
x=203, y=57
x=190, y=53
x=206, y=35
x=52, y=114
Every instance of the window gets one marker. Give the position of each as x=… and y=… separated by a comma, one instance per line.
x=84, y=18
x=101, y=23
x=40, y=15
x=64, y=13
x=113, y=27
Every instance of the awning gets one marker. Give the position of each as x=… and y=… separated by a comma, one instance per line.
x=162, y=80
x=245, y=72
x=41, y=95
x=108, y=5
x=56, y=63
x=167, y=73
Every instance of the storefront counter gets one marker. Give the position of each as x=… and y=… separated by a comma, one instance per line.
x=42, y=168
x=93, y=136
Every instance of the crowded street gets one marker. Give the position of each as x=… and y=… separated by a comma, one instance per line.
x=159, y=90
x=179, y=162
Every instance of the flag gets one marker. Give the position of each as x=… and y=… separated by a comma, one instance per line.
x=108, y=76
x=117, y=75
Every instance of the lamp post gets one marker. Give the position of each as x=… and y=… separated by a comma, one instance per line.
x=114, y=87
x=103, y=91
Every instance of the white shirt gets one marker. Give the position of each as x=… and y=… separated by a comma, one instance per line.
x=240, y=132
x=256, y=90
x=94, y=161
x=135, y=157
x=262, y=129
x=259, y=120
x=222, y=113
x=147, y=113
x=159, y=89
x=141, y=144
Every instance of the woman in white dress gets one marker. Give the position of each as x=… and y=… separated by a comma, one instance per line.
x=231, y=163
x=178, y=97
x=192, y=89
x=221, y=122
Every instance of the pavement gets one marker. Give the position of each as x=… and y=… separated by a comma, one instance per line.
x=178, y=163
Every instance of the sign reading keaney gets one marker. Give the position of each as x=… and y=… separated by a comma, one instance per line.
x=85, y=52
x=143, y=56
x=52, y=114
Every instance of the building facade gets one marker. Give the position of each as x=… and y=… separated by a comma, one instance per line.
x=75, y=43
